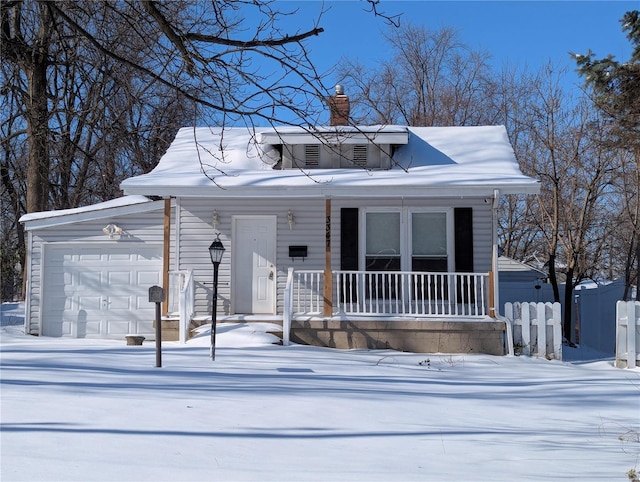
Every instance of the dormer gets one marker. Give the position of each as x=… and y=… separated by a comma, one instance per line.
x=338, y=147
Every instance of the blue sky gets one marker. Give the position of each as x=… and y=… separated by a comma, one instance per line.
x=528, y=33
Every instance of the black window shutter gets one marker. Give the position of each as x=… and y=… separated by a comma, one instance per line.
x=349, y=238
x=463, y=230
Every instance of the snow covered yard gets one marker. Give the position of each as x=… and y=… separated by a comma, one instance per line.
x=85, y=410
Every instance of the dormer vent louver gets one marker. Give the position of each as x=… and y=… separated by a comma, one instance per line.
x=312, y=155
x=360, y=155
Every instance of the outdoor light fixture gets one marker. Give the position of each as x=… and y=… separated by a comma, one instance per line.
x=216, y=250
x=216, y=219
x=290, y=219
x=112, y=230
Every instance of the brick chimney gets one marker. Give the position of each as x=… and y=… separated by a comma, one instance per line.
x=339, y=108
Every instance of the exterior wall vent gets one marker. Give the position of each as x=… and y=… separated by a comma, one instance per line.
x=311, y=155
x=360, y=155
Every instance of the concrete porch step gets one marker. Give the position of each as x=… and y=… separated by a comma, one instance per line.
x=171, y=326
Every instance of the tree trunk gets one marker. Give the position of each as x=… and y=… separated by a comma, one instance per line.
x=38, y=135
x=553, y=280
x=637, y=266
x=568, y=305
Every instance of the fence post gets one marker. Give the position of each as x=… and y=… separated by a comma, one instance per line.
x=557, y=330
x=632, y=320
x=525, y=314
x=541, y=324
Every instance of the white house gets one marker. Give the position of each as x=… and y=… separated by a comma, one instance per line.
x=376, y=236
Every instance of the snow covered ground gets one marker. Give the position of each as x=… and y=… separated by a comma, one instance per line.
x=85, y=410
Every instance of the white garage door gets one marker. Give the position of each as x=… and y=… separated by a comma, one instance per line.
x=99, y=291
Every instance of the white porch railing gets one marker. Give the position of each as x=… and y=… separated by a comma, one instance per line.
x=411, y=293
x=391, y=293
x=181, y=300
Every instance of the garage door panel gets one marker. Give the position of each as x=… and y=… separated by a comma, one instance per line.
x=90, y=329
x=115, y=257
x=118, y=278
x=89, y=303
x=90, y=254
x=116, y=327
x=99, y=291
x=89, y=280
x=119, y=303
x=147, y=253
x=147, y=278
x=142, y=302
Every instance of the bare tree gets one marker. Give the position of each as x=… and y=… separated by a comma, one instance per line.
x=432, y=79
x=94, y=91
x=97, y=89
x=50, y=43
x=614, y=88
x=573, y=210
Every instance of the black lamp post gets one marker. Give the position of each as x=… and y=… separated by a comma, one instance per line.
x=216, y=250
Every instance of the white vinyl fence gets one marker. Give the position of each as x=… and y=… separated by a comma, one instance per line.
x=627, y=334
x=537, y=328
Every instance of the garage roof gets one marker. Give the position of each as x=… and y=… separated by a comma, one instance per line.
x=115, y=207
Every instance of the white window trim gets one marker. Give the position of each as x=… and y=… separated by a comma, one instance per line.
x=405, y=234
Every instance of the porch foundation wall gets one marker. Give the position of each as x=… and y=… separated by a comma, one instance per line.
x=423, y=336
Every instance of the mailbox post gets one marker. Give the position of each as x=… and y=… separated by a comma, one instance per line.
x=156, y=295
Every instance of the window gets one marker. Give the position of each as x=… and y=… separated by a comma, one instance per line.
x=406, y=240
x=382, y=240
x=429, y=241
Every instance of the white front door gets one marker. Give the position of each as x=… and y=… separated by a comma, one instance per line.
x=254, y=262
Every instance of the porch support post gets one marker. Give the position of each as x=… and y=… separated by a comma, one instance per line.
x=165, y=255
x=328, y=276
x=494, y=307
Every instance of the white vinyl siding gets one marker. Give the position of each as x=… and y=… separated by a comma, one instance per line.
x=336, y=156
x=139, y=227
x=196, y=234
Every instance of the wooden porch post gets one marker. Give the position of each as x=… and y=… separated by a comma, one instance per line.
x=328, y=277
x=165, y=255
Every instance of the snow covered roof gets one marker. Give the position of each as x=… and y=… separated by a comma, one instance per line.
x=114, y=207
x=506, y=264
x=428, y=161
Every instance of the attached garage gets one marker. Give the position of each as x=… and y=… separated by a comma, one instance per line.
x=89, y=270
x=99, y=291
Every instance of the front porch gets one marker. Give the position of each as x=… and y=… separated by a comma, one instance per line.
x=406, y=311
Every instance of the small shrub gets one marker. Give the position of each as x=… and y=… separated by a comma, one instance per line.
x=425, y=363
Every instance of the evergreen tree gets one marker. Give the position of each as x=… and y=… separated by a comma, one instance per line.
x=615, y=90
